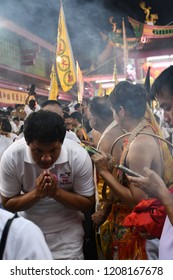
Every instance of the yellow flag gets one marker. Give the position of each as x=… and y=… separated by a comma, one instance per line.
x=100, y=90
x=109, y=90
x=64, y=55
x=80, y=83
x=53, y=85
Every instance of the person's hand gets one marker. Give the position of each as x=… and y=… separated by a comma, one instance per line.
x=88, y=143
x=152, y=184
x=53, y=187
x=101, y=161
x=98, y=217
x=41, y=190
x=46, y=184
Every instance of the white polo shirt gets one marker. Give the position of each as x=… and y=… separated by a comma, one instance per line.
x=28, y=111
x=16, y=128
x=73, y=169
x=72, y=136
x=21, y=244
x=5, y=142
x=166, y=241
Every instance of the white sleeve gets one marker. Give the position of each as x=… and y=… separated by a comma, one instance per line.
x=37, y=108
x=83, y=178
x=9, y=184
x=27, y=110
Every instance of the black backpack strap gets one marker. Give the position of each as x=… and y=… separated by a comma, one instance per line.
x=5, y=234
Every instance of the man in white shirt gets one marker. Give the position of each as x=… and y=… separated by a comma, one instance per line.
x=55, y=106
x=31, y=103
x=16, y=124
x=49, y=181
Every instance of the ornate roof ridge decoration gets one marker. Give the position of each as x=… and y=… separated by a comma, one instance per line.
x=149, y=18
x=145, y=32
x=148, y=30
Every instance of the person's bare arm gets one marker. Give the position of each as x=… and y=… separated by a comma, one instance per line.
x=142, y=153
x=47, y=185
x=100, y=216
x=122, y=192
x=74, y=200
x=27, y=99
x=139, y=157
x=22, y=202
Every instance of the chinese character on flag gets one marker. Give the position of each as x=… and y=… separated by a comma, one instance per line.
x=64, y=55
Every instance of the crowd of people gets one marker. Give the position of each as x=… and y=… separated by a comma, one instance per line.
x=60, y=176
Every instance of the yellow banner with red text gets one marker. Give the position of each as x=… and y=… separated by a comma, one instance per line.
x=9, y=96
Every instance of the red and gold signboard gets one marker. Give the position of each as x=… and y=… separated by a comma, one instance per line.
x=9, y=96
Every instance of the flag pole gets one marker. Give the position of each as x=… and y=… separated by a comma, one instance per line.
x=148, y=87
x=115, y=68
x=125, y=49
x=80, y=82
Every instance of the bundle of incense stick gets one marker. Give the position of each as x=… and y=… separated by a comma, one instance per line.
x=91, y=150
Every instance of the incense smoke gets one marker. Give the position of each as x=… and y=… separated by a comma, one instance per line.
x=85, y=20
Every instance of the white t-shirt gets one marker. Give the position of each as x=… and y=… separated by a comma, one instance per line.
x=25, y=240
x=5, y=142
x=73, y=169
x=28, y=110
x=71, y=135
x=166, y=241
x=16, y=128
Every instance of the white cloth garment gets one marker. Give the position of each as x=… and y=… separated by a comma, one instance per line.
x=25, y=240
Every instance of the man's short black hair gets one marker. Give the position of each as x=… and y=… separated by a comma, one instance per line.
x=44, y=126
x=50, y=102
x=133, y=98
x=66, y=115
x=5, y=125
x=16, y=118
x=66, y=109
x=77, y=106
x=163, y=82
x=17, y=106
x=76, y=115
x=100, y=108
x=32, y=103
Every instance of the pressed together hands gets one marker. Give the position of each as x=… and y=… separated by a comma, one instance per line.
x=46, y=184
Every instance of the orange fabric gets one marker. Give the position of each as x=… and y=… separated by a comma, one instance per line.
x=127, y=244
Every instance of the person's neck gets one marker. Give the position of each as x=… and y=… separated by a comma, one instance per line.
x=76, y=125
x=131, y=124
x=101, y=126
